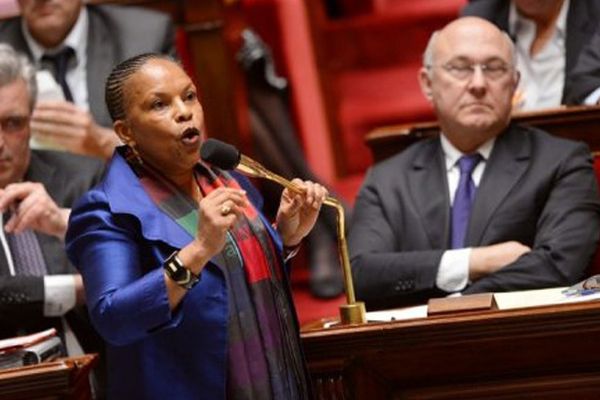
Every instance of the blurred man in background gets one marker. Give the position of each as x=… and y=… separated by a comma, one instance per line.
x=549, y=36
x=39, y=288
x=79, y=44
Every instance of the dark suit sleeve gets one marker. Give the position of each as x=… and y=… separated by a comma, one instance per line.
x=585, y=77
x=385, y=276
x=566, y=236
x=495, y=11
x=21, y=296
x=169, y=36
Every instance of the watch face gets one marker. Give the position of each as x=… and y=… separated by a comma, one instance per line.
x=182, y=275
x=178, y=274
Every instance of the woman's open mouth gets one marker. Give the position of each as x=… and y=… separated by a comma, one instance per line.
x=190, y=135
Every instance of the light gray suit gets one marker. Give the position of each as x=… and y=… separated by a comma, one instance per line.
x=536, y=189
x=115, y=34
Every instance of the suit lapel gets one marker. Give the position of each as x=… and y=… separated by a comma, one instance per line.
x=100, y=58
x=429, y=190
x=11, y=33
x=154, y=223
x=582, y=21
x=507, y=163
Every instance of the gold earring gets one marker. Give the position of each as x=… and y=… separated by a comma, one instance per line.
x=133, y=156
x=136, y=154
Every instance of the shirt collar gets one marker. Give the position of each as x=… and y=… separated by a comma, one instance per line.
x=452, y=154
x=76, y=39
x=515, y=19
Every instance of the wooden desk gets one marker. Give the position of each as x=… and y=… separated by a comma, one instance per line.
x=66, y=379
x=536, y=353
x=576, y=123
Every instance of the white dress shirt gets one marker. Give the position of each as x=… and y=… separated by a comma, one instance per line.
x=77, y=39
x=592, y=98
x=453, y=271
x=542, y=75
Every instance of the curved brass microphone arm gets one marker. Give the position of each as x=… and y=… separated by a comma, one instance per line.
x=352, y=312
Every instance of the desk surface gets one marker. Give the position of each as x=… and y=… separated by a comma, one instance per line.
x=492, y=354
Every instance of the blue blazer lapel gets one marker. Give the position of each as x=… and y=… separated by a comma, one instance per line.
x=507, y=164
x=155, y=224
x=428, y=186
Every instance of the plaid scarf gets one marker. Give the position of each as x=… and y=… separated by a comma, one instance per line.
x=264, y=356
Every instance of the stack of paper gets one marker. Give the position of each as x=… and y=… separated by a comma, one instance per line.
x=30, y=349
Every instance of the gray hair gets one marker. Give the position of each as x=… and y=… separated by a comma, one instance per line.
x=428, y=53
x=14, y=66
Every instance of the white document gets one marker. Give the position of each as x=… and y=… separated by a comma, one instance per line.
x=398, y=314
x=529, y=298
x=48, y=90
x=540, y=297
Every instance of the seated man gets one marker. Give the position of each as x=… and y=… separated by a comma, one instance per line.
x=549, y=36
x=38, y=286
x=79, y=44
x=486, y=206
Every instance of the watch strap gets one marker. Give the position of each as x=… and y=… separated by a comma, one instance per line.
x=179, y=273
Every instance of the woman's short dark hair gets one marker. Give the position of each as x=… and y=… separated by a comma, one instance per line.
x=119, y=75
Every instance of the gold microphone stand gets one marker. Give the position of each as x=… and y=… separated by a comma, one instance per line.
x=353, y=312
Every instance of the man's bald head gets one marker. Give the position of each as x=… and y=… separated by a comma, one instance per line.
x=466, y=25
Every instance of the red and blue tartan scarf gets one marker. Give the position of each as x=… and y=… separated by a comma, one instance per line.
x=264, y=356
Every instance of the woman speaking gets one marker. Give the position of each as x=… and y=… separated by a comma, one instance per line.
x=184, y=277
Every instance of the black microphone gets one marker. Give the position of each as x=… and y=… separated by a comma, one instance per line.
x=220, y=154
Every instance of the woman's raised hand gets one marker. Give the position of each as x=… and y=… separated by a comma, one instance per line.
x=217, y=213
x=297, y=212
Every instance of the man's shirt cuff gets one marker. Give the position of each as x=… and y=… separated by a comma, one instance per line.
x=453, y=271
x=59, y=294
x=592, y=98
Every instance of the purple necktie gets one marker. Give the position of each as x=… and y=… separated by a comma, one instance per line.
x=26, y=253
x=463, y=199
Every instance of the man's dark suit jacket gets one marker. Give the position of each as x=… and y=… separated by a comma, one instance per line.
x=66, y=177
x=115, y=33
x=585, y=77
x=536, y=189
x=582, y=21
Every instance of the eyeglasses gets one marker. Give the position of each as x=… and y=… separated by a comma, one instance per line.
x=14, y=123
x=464, y=71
